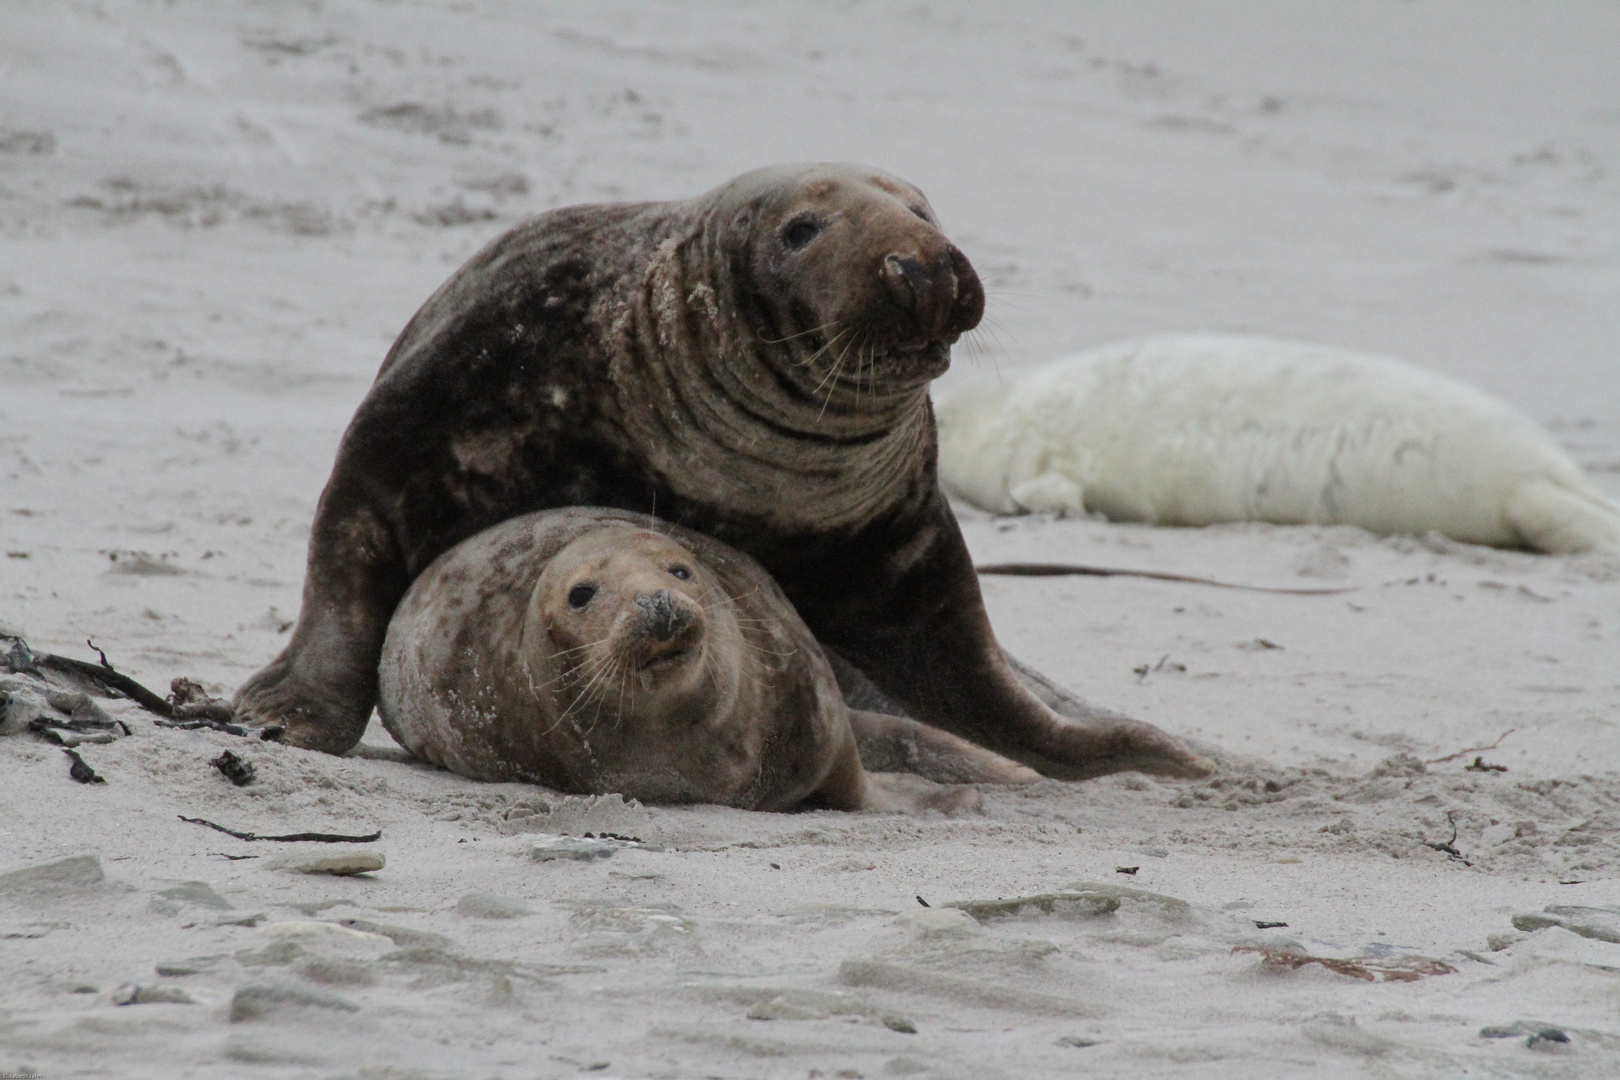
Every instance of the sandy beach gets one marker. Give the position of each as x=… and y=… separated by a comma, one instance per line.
x=214, y=219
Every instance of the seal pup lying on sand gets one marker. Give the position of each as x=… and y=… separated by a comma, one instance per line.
x=593, y=652
x=1198, y=429
x=752, y=364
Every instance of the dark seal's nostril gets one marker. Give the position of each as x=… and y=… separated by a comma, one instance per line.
x=906, y=280
x=969, y=306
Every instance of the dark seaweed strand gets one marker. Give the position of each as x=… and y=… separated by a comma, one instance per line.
x=215, y=715
x=316, y=837
x=1063, y=569
x=109, y=677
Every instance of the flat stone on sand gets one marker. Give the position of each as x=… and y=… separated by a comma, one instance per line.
x=337, y=863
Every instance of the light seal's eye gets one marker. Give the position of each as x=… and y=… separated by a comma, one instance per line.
x=801, y=231
x=679, y=571
x=580, y=595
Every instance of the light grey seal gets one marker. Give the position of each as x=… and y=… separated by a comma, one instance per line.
x=593, y=651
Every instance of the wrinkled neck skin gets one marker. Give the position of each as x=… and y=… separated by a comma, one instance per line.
x=679, y=737
x=736, y=401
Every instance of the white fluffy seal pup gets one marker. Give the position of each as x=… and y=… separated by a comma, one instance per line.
x=1199, y=429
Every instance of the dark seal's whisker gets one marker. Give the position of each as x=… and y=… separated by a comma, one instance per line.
x=800, y=334
x=811, y=359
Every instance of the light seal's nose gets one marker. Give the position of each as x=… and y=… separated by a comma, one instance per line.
x=662, y=617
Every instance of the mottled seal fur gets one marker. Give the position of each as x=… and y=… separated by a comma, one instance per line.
x=1194, y=429
x=752, y=364
x=593, y=651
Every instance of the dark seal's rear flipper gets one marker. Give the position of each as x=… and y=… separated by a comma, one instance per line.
x=891, y=744
x=1059, y=700
x=862, y=695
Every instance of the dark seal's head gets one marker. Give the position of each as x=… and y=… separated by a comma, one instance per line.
x=849, y=265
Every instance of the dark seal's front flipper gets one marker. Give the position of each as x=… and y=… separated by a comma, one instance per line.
x=319, y=692
x=922, y=639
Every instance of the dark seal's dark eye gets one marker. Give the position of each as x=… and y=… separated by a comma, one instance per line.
x=580, y=595
x=801, y=231
x=920, y=212
x=679, y=571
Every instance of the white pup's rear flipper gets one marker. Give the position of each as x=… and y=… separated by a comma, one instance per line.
x=1550, y=517
x=1049, y=493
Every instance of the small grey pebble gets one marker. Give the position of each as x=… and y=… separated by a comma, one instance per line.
x=136, y=994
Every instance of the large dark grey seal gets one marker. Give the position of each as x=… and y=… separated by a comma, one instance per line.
x=752, y=364
x=594, y=651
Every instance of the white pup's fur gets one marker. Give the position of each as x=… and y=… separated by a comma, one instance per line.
x=1198, y=429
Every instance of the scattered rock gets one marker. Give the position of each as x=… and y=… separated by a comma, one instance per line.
x=482, y=905
x=1161, y=907
x=337, y=971
x=74, y=873
x=195, y=893
x=403, y=936
x=30, y=929
x=20, y=707
x=274, y=955
x=29, y=702
x=1078, y=904
x=949, y=921
x=181, y=968
x=1600, y=924
x=1077, y=1041
x=338, y=863
x=265, y=1002
x=80, y=708
x=781, y=1008
x=575, y=848
x=316, y=929
x=1369, y=968
x=900, y=1024
x=243, y=920
x=136, y=994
